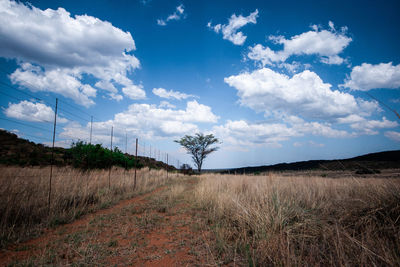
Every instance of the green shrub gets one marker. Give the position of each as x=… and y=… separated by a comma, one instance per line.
x=89, y=156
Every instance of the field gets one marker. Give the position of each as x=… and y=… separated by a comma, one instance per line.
x=24, y=196
x=307, y=218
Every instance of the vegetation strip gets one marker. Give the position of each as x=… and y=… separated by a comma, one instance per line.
x=234, y=220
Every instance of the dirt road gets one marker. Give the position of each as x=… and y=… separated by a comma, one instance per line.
x=156, y=229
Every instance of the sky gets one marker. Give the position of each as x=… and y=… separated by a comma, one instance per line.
x=274, y=81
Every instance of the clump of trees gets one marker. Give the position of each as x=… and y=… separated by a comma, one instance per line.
x=89, y=156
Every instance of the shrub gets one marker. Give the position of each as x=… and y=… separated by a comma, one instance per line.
x=89, y=156
x=186, y=169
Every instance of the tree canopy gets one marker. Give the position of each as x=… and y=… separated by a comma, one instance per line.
x=199, y=147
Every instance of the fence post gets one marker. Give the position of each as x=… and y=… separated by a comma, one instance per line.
x=126, y=151
x=91, y=126
x=136, y=158
x=52, y=156
x=109, y=171
x=167, y=166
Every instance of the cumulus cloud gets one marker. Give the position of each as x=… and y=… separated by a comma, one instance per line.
x=369, y=127
x=161, y=92
x=134, y=91
x=148, y=121
x=194, y=112
x=31, y=111
x=395, y=136
x=303, y=94
x=321, y=129
x=327, y=44
x=177, y=15
x=74, y=131
x=56, y=80
x=242, y=133
x=230, y=30
x=67, y=45
x=368, y=76
x=108, y=86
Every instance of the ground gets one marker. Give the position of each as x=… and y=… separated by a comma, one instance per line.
x=159, y=228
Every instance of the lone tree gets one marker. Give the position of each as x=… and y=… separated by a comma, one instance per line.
x=199, y=147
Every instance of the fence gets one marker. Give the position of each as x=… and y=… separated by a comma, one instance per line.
x=47, y=131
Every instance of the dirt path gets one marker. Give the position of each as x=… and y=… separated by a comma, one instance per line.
x=156, y=229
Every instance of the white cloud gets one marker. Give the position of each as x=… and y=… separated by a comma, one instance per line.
x=327, y=44
x=177, y=15
x=116, y=97
x=242, y=133
x=293, y=67
x=161, y=92
x=395, y=136
x=30, y=111
x=134, y=91
x=171, y=128
x=161, y=22
x=230, y=30
x=303, y=94
x=149, y=121
x=166, y=104
x=108, y=86
x=369, y=127
x=321, y=129
x=74, y=131
x=59, y=81
x=67, y=45
x=368, y=76
x=146, y=113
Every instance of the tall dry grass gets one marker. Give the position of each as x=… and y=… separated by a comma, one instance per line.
x=276, y=220
x=24, y=196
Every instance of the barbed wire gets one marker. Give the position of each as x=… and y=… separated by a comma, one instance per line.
x=23, y=134
x=25, y=124
x=22, y=92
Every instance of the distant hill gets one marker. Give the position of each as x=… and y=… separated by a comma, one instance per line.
x=18, y=151
x=366, y=163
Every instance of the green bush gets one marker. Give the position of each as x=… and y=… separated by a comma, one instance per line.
x=89, y=156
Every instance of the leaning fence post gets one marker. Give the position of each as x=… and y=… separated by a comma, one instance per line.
x=167, y=166
x=91, y=127
x=109, y=171
x=52, y=156
x=136, y=161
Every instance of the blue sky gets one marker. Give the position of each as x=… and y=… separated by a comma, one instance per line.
x=275, y=81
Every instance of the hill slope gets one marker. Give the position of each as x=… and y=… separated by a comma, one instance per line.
x=368, y=162
x=18, y=151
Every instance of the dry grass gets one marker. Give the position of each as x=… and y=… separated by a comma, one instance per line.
x=24, y=196
x=276, y=220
